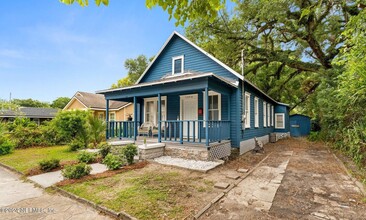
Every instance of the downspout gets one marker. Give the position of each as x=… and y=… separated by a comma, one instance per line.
x=243, y=92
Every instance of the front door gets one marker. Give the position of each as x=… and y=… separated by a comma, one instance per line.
x=188, y=111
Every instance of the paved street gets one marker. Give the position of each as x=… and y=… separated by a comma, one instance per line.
x=22, y=200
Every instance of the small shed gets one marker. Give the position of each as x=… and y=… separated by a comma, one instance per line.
x=300, y=125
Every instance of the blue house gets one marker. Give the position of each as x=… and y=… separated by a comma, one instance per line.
x=191, y=99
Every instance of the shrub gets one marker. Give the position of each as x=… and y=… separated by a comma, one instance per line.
x=96, y=130
x=6, y=146
x=86, y=157
x=104, y=149
x=113, y=162
x=76, y=144
x=72, y=125
x=76, y=171
x=48, y=165
x=129, y=151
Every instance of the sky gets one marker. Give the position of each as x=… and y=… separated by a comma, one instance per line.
x=50, y=50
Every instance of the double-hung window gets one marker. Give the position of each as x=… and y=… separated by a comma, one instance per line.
x=247, y=110
x=178, y=65
x=256, y=112
x=280, y=120
x=272, y=122
x=268, y=115
x=214, y=106
x=112, y=116
x=151, y=109
x=264, y=114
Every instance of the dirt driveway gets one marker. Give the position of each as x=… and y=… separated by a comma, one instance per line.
x=311, y=185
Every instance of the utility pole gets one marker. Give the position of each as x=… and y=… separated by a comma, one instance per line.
x=10, y=97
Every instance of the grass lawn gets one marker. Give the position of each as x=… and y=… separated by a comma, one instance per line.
x=25, y=159
x=153, y=192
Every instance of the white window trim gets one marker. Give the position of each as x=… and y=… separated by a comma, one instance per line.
x=247, y=119
x=268, y=115
x=182, y=64
x=256, y=116
x=272, y=122
x=155, y=100
x=264, y=114
x=283, y=116
x=211, y=93
x=112, y=113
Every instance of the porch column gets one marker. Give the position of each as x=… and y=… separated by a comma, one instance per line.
x=135, y=118
x=107, y=119
x=206, y=115
x=159, y=118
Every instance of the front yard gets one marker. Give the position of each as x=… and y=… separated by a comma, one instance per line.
x=154, y=192
x=25, y=159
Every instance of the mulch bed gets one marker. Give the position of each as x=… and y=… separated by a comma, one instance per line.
x=37, y=170
x=105, y=174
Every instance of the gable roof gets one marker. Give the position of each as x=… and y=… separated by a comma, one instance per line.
x=95, y=101
x=30, y=112
x=175, y=33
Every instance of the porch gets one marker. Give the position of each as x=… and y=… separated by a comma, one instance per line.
x=190, y=108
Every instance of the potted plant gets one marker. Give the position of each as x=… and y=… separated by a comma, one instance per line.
x=129, y=117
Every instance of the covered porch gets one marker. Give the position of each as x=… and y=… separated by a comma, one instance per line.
x=191, y=109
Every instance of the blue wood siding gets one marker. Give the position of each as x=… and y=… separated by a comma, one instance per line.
x=252, y=132
x=194, y=60
x=235, y=118
x=300, y=125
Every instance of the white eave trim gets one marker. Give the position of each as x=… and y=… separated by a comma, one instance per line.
x=72, y=99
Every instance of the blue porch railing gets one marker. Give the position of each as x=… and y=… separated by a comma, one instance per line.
x=120, y=129
x=194, y=131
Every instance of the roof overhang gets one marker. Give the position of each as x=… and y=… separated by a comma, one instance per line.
x=171, y=80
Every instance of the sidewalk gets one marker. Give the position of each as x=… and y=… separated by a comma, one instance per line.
x=21, y=200
x=50, y=178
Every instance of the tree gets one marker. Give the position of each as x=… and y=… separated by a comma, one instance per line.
x=181, y=10
x=30, y=103
x=60, y=102
x=135, y=69
x=85, y=2
x=6, y=105
x=289, y=46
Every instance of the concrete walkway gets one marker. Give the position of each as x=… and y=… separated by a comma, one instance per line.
x=50, y=178
x=21, y=200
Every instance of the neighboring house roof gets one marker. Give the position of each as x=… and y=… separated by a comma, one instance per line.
x=95, y=101
x=172, y=79
x=29, y=112
x=240, y=76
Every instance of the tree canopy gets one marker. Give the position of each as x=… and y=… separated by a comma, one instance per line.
x=30, y=103
x=60, y=102
x=135, y=69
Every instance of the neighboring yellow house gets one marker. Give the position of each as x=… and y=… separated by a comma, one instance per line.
x=118, y=111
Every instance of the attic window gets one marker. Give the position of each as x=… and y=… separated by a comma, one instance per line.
x=178, y=65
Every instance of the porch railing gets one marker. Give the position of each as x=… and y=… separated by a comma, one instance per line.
x=120, y=129
x=194, y=131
